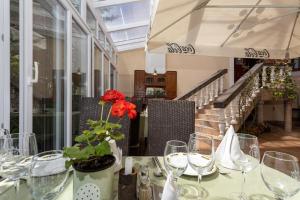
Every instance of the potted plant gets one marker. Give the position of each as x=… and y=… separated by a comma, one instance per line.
x=91, y=156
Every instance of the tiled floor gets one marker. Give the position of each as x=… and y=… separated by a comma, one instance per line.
x=279, y=140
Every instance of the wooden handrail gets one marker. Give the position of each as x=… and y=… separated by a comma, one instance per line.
x=203, y=84
x=224, y=99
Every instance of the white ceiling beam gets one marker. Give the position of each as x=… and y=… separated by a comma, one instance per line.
x=126, y=42
x=131, y=46
x=106, y=3
x=127, y=26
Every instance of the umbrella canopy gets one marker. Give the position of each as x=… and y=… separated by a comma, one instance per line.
x=230, y=28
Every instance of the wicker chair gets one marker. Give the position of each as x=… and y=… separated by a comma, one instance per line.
x=169, y=120
x=90, y=109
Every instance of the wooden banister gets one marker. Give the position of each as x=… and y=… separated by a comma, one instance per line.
x=224, y=99
x=202, y=84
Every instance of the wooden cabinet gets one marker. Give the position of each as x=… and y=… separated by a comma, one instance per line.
x=155, y=86
x=171, y=84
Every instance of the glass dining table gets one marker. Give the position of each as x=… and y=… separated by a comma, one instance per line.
x=217, y=186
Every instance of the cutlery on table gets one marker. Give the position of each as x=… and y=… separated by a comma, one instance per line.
x=164, y=173
x=157, y=172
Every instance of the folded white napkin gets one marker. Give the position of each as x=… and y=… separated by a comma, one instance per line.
x=229, y=150
x=169, y=192
x=117, y=152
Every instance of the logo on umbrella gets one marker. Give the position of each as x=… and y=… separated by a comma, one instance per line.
x=176, y=48
x=253, y=53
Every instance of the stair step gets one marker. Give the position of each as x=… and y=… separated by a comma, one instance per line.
x=213, y=111
x=210, y=123
x=208, y=106
x=207, y=130
x=207, y=117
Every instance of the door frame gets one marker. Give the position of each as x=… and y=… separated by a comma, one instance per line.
x=5, y=63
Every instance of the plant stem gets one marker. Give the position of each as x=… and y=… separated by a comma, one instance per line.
x=108, y=115
x=101, y=111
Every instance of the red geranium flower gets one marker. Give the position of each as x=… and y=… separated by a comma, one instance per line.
x=112, y=96
x=119, y=108
x=131, y=110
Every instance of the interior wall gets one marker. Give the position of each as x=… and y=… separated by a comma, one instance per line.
x=191, y=69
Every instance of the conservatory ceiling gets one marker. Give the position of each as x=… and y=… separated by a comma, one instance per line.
x=127, y=21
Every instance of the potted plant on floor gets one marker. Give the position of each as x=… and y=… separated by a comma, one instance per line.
x=91, y=156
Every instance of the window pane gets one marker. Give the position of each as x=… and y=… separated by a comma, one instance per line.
x=91, y=20
x=97, y=71
x=48, y=93
x=112, y=74
x=129, y=34
x=79, y=72
x=106, y=73
x=14, y=66
x=101, y=36
x=76, y=4
x=126, y=13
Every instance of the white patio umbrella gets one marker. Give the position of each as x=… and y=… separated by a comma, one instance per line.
x=230, y=28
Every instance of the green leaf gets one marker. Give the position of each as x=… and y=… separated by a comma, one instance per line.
x=72, y=152
x=112, y=126
x=117, y=135
x=87, y=151
x=68, y=163
x=99, y=130
x=82, y=138
x=103, y=149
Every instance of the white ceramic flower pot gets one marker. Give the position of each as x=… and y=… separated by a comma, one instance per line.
x=96, y=185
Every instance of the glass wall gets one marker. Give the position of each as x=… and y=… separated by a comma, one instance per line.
x=49, y=46
x=52, y=83
x=14, y=65
x=76, y=4
x=106, y=73
x=97, y=71
x=91, y=20
x=101, y=36
x=112, y=76
x=79, y=72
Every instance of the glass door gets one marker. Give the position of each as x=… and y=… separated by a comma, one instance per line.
x=79, y=72
x=106, y=73
x=14, y=65
x=97, y=71
x=49, y=65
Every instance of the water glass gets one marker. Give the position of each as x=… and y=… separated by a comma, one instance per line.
x=175, y=158
x=247, y=159
x=280, y=173
x=201, y=155
x=47, y=175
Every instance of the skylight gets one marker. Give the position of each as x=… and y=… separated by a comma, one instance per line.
x=126, y=20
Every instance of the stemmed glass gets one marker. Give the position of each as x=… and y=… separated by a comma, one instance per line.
x=17, y=161
x=280, y=173
x=201, y=155
x=175, y=159
x=247, y=159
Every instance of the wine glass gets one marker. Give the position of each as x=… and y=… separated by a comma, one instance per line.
x=280, y=173
x=47, y=175
x=175, y=158
x=20, y=149
x=201, y=155
x=245, y=155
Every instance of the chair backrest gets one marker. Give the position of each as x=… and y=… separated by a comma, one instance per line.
x=169, y=120
x=90, y=109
